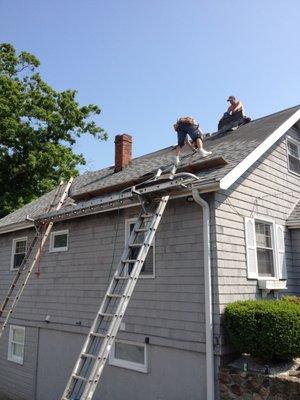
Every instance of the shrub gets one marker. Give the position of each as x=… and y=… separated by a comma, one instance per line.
x=292, y=299
x=263, y=328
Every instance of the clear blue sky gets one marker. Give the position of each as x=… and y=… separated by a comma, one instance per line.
x=145, y=63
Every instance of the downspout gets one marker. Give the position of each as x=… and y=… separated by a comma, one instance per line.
x=210, y=374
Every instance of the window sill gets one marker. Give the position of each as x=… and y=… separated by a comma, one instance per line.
x=266, y=285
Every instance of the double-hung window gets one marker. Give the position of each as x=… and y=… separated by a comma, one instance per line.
x=148, y=270
x=19, y=248
x=265, y=249
x=129, y=355
x=59, y=241
x=293, y=152
x=16, y=343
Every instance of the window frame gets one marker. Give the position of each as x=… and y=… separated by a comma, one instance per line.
x=274, y=249
x=10, y=356
x=53, y=249
x=297, y=143
x=118, y=362
x=13, y=251
x=128, y=222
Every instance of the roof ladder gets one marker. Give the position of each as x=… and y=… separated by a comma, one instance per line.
x=91, y=361
x=24, y=271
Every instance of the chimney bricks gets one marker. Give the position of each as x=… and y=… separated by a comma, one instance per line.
x=123, y=151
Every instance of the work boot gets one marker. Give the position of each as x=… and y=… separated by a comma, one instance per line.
x=203, y=153
x=176, y=160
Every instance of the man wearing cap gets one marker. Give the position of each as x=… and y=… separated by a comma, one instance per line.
x=235, y=105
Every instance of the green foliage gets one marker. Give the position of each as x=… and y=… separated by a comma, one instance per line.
x=38, y=127
x=292, y=299
x=266, y=329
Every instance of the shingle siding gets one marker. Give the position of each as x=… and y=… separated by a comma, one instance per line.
x=18, y=381
x=267, y=190
x=72, y=283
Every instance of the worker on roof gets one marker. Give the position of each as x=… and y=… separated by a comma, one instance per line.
x=235, y=106
x=188, y=126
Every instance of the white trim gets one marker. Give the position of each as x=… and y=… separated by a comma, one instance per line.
x=12, y=258
x=128, y=222
x=129, y=364
x=239, y=169
x=53, y=249
x=10, y=356
x=297, y=143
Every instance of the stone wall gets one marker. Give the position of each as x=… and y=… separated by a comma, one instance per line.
x=237, y=384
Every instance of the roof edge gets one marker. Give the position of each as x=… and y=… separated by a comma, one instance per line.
x=16, y=226
x=243, y=166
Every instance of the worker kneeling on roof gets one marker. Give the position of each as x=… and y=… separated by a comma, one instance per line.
x=235, y=106
x=188, y=126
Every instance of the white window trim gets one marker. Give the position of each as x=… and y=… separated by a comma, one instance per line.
x=297, y=143
x=274, y=249
x=10, y=355
x=117, y=362
x=53, y=249
x=276, y=276
x=128, y=222
x=14, y=249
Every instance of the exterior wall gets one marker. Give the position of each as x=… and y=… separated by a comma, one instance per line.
x=295, y=239
x=173, y=375
x=269, y=191
x=168, y=309
x=18, y=381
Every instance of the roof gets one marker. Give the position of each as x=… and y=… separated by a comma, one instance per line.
x=293, y=220
x=240, y=148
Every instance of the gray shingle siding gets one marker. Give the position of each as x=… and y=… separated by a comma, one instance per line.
x=295, y=240
x=267, y=190
x=169, y=309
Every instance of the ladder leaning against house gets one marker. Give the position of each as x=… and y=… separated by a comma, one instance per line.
x=24, y=271
x=89, y=366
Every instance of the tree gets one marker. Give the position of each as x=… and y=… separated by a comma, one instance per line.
x=38, y=127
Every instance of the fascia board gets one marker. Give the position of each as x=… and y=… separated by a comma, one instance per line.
x=242, y=167
x=17, y=226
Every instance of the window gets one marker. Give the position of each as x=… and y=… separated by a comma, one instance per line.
x=16, y=344
x=148, y=270
x=129, y=355
x=265, y=249
x=59, y=241
x=19, y=248
x=293, y=151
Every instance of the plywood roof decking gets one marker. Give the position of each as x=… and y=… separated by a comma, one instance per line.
x=233, y=147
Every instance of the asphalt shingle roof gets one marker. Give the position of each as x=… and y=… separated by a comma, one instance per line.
x=233, y=146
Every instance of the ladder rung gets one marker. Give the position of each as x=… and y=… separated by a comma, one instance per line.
x=121, y=278
x=87, y=355
x=129, y=261
x=141, y=230
x=114, y=296
x=136, y=245
x=147, y=215
x=100, y=335
x=104, y=314
x=78, y=377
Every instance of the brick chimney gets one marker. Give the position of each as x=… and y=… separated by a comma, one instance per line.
x=123, y=151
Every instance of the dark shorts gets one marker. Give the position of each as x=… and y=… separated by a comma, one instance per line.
x=187, y=129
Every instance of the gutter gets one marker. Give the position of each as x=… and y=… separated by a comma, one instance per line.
x=210, y=373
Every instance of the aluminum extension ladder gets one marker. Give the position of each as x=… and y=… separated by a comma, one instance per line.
x=89, y=366
x=24, y=271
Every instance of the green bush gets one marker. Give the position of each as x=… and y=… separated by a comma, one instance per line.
x=292, y=299
x=263, y=328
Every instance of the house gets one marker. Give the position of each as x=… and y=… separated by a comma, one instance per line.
x=235, y=234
